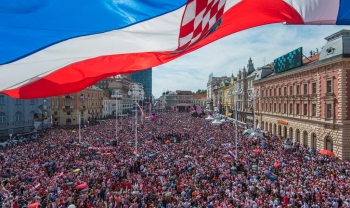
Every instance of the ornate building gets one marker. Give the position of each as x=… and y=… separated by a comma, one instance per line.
x=87, y=103
x=244, y=84
x=18, y=116
x=213, y=94
x=310, y=103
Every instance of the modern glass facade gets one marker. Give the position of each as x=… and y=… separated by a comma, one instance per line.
x=145, y=78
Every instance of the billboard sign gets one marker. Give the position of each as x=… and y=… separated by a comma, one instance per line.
x=288, y=61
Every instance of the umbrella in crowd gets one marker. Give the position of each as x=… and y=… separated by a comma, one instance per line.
x=327, y=152
x=34, y=205
x=82, y=186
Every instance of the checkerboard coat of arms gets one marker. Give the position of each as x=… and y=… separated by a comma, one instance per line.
x=201, y=17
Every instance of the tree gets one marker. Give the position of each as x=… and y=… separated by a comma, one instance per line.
x=199, y=91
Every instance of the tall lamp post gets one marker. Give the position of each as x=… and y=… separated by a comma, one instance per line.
x=136, y=91
x=236, y=94
x=117, y=97
x=254, y=95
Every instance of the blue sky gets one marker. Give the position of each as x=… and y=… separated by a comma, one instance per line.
x=230, y=54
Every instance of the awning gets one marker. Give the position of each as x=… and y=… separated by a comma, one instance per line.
x=183, y=104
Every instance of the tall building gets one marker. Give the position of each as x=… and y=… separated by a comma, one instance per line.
x=18, y=116
x=310, y=103
x=145, y=78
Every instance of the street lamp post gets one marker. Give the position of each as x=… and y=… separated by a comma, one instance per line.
x=117, y=97
x=254, y=96
x=236, y=94
x=79, y=119
x=136, y=91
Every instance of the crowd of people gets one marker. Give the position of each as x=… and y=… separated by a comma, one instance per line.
x=177, y=161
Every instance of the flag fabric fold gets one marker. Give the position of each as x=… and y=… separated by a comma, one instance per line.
x=141, y=109
x=230, y=153
x=66, y=53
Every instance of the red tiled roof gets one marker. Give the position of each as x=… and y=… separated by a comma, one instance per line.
x=199, y=96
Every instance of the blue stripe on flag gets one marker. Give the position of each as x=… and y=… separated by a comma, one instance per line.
x=344, y=13
x=29, y=26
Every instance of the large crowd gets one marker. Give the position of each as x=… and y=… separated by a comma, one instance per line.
x=180, y=161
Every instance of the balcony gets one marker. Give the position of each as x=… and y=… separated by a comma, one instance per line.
x=17, y=123
x=68, y=96
x=67, y=107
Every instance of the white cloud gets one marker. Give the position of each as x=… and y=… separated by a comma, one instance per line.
x=230, y=54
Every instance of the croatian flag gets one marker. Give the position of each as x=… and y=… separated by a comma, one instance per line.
x=230, y=153
x=142, y=111
x=52, y=48
x=136, y=154
x=211, y=139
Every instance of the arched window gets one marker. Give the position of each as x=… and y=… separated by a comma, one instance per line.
x=18, y=116
x=313, y=141
x=329, y=143
x=2, y=118
x=306, y=139
x=298, y=135
x=291, y=133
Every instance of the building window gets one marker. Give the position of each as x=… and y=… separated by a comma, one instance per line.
x=298, y=109
x=18, y=101
x=305, y=89
x=329, y=110
x=274, y=107
x=274, y=92
x=266, y=106
x=270, y=92
x=32, y=102
x=68, y=103
x=313, y=88
x=305, y=109
x=279, y=107
x=291, y=90
x=2, y=118
x=329, y=86
x=285, y=91
x=313, y=109
x=55, y=103
x=18, y=116
x=279, y=91
x=298, y=89
x=2, y=99
x=266, y=93
x=68, y=113
x=291, y=108
x=285, y=108
x=31, y=115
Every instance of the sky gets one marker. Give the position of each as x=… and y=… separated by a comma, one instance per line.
x=227, y=55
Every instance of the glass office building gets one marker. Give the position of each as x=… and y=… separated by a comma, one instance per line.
x=145, y=78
